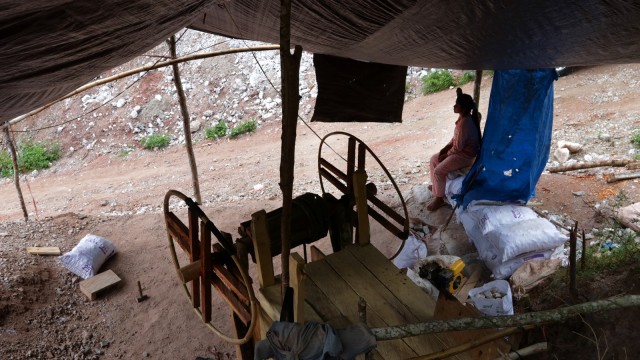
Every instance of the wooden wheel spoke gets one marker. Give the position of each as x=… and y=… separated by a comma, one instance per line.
x=211, y=266
x=395, y=222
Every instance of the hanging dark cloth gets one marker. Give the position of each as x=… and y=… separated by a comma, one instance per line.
x=357, y=91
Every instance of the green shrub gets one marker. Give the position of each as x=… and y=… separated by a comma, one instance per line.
x=31, y=156
x=437, y=81
x=6, y=165
x=34, y=156
x=467, y=77
x=626, y=252
x=155, y=141
x=217, y=131
x=243, y=127
x=443, y=79
x=635, y=140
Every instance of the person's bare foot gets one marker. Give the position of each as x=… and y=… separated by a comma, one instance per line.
x=435, y=204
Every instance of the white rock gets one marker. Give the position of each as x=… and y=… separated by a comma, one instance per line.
x=562, y=155
x=195, y=126
x=120, y=103
x=588, y=158
x=573, y=147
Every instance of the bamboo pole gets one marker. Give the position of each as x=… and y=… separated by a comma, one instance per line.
x=139, y=70
x=489, y=322
x=290, y=76
x=471, y=344
x=588, y=165
x=186, y=125
x=16, y=174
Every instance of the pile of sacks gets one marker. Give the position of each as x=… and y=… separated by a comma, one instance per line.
x=506, y=236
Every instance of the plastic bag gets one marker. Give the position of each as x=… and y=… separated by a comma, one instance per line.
x=86, y=258
x=486, y=300
x=413, y=250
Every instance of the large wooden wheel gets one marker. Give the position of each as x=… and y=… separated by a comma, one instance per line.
x=210, y=265
x=344, y=181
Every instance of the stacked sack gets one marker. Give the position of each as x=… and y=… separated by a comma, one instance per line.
x=506, y=236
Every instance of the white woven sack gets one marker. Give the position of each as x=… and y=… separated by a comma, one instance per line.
x=86, y=258
x=490, y=218
x=506, y=269
x=507, y=242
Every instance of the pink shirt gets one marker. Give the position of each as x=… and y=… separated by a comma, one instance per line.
x=466, y=138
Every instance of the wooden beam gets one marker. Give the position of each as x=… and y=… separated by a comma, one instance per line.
x=45, y=250
x=194, y=253
x=93, y=285
x=262, y=249
x=206, y=273
x=297, y=283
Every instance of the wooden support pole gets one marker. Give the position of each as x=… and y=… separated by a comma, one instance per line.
x=290, y=76
x=492, y=322
x=583, y=259
x=16, y=174
x=476, y=87
x=186, y=122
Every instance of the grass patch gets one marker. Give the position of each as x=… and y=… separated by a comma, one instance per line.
x=243, y=127
x=216, y=131
x=443, y=79
x=31, y=156
x=618, y=250
x=635, y=139
x=155, y=141
x=124, y=152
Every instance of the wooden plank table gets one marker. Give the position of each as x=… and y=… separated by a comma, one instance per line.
x=335, y=284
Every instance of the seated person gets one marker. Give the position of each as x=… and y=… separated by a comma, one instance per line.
x=460, y=152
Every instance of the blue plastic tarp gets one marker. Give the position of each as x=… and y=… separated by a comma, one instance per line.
x=516, y=140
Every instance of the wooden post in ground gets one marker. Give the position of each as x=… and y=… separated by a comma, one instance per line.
x=573, y=237
x=185, y=120
x=16, y=175
x=476, y=87
x=290, y=76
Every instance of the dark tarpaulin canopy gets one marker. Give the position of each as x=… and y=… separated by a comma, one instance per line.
x=50, y=47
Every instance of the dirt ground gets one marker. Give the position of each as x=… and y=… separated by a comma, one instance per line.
x=44, y=315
